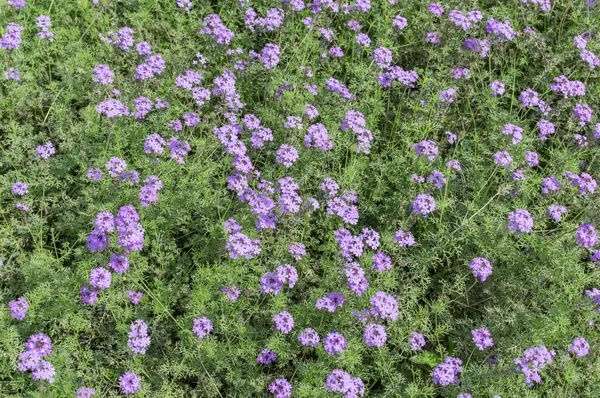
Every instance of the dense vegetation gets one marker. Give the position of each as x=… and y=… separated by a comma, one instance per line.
x=225, y=198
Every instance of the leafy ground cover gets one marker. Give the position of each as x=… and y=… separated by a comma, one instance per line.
x=262, y=198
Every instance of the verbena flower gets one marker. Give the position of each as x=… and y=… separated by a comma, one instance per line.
x=446, y=373
x=130, y=383
x=482, y=338
x=18, y=308
x=202, y=327
x=416, y=341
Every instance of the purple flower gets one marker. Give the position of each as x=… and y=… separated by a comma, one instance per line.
x=297, y=250
x=460, y=20
x=19, y=188
x=138, y=340
x=135, y=297
x=269, y=56
x=100, y=278
x=143, y=48
x=482, y=338
x=428, y=148
x=130, y=383
x=284, y=322
x=546, y=128
x=40, y=343
x=437, y=178
x=318, y=137
x=334, y=343
x=436, y=9
x=266, y=357
x=533, y=361
x=85, y=392
x=115, y=166
x=22, y=206
x=281, y=388
x=580, y=347
x=103, y=75
x=375, y=335
x=270, y=283
x=309, y=338
x=447, y=96
x=503, y=159
x=384, y=306
x=11, y=40
x=404, y=238
x=416, y=341
x=381, y=262
x=340, y=381
x=18, y=308
x=45, y=151
x=423, y=205
x=515, y=131
x=446, y=373
x=17, y=3
x=586, y=235
x=481, y=268
x=583, y=112
x=88, y=296
x=202, y=327
x=122, y=39
x=112, y=108
x=400, y=22
x=502, y=30
x=94, y=174
x=119, y=263
x=287, y=155
x=461, y=73
x=43, y=371
x=520, y=221
x=12, y=74
x=287, y=274
x=556, y=212
x=363, y=39
x=433, y=37
x=497, y=88
x=239, y=245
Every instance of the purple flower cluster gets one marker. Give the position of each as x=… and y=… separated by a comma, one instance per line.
x=18, y=308
x=202, y=327
x=309, y=338
x=586, y=235
x=416, y=341
x=11, y=40
x=138, y=341
x=135, y=297
x=423, y=205
x=272, y=20
x=534, y=359
x=284, y=322
x=375, y=335
x=36, y=348
x=217, y=30
x=122, y=39
x=481, y=268
x=383, y=306
x=130, y=383
x=281, y=388
x=482, y=338
x=43, y=22
x=266, y=357
x=331, y=301
x=355, y=121
x=340, y=381
x=580, y=347
x=446, y=373
x=334, y=343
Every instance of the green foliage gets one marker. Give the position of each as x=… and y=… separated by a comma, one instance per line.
x=534, y=297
